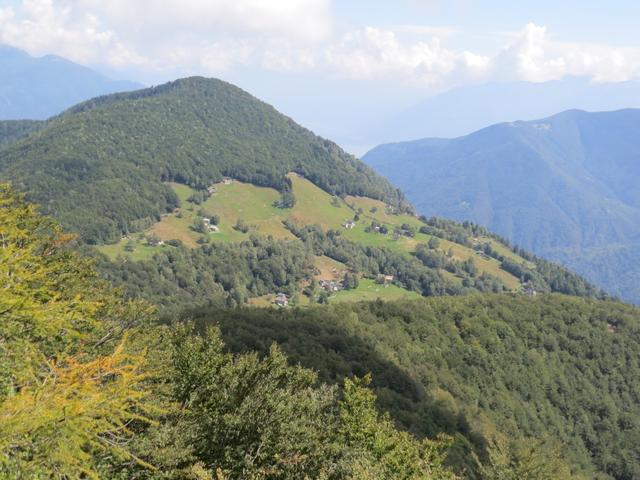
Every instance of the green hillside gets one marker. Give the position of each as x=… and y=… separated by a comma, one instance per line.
x=93, y=386
x=283, y=249
x=200, y=203
x=198, y=193
x=102, y=167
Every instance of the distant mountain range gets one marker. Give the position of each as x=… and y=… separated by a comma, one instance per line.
x=565, y=187
x=37, y=88
x=463, y=110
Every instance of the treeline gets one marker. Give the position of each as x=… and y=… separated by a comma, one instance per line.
x=100, y=167
x=409, y=271
x=558, y=369
x=229, y=274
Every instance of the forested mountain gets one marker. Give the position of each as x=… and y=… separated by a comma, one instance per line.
x=502, y=386
x=100, y=166
x=564, y=187
x=91, y=386
x=137, y=174
x=37, y=88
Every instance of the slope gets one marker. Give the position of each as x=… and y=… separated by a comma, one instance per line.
x=37, y=88
x=197, y=193
x=100, y=166
x=563, y=187
x=553, y=368
x=234, y=245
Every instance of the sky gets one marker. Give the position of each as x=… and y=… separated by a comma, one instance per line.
x=332, y=65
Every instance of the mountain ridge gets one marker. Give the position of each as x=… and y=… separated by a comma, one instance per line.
x=463, y=110
x=561, y=186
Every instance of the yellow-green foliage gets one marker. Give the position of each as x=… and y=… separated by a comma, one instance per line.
x=377, y=449
x=67, y=389
x=528, y=459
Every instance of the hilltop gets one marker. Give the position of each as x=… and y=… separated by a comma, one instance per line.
x=563, y=187
x=102, y=166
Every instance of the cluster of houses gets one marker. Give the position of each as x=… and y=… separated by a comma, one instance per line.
x=210, y=226
x=331, y=285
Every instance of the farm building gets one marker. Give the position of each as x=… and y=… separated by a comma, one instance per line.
x=384, y=279
x=330, y=285
x=349, y=224
x=281, y=300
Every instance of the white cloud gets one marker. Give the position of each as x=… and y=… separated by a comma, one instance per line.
x=373, y=52
x=302, y=20
x=211, y=35
x=533, y=56
x=45, y=26
x=182, y=37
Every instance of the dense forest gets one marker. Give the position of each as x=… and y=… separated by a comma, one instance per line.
x=12, y=130
x=91, y=386
x=559, y=369
x=99, y=168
